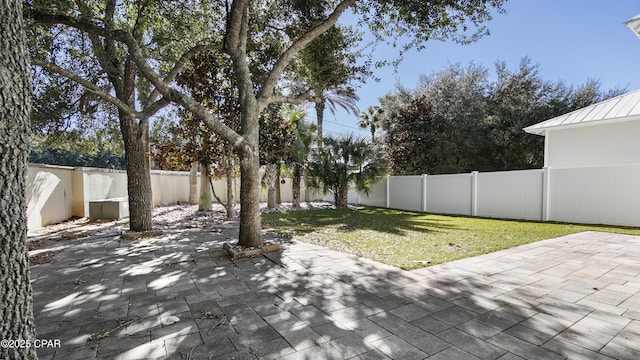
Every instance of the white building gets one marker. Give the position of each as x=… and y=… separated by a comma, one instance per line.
x=603, y=134
x=592, y=161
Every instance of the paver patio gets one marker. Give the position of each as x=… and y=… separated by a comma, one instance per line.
x=574, y=297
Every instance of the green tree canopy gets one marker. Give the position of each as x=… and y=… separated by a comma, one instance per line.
x=457, y=120
x=144, y=32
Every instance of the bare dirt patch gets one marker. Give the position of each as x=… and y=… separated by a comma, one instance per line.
x=46, y=242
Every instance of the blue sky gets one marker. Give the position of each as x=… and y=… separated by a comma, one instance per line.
x=571, y=41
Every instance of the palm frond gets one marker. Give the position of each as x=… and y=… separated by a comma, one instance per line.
x=341, y=97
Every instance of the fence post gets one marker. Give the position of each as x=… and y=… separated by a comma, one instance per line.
x=545, y=193
x=424, y=192
x=388, y=180
x=474, y=193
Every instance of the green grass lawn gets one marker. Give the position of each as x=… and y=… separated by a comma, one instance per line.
x=411, y=240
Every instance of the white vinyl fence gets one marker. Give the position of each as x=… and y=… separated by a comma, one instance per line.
x=594, y=195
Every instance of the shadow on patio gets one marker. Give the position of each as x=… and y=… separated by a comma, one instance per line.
x=178, y=296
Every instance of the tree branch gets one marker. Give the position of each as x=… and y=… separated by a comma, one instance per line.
x=171, y=75
x=175, y=95
x=233, y=40
x=266, y=93
x=152, y=109
x=295, y=100
x=161, y=86
x=87, y=85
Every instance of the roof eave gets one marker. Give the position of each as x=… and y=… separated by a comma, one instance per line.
x=543, y=129
x=536, y=131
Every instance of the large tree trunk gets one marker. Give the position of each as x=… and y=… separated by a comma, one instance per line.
x=193, y=183
x=272, y=179
x=230, y=169
x=138, y=175
x=295, y=186
x=278, y=193
x=249, y=196
x=236, y=47
x=206, y=193
x=16, y=304
x=341, y=196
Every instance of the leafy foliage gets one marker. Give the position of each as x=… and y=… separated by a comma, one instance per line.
x=342, y=162
x=72, y=127
x=277, y=136
x=211, y=82
x=459, y=121
x=418, y=21
x=328, y=69
x=136, y=43
x=103, y=158
x=301, y=146
x=371, y=120
x=300, y=149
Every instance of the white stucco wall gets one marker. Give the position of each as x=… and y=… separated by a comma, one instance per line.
x=55, y=193
x=49, y=195
x=169, y=187
x=604, y=144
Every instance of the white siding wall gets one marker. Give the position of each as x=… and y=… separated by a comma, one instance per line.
x=602, y=145
x=405, y=192
x=602, y=195
x=510, y=194
x=449, y=194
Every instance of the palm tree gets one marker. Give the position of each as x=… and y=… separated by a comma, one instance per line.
x=371, y=119
x=333, y=98
x=299, y=151
x=327, y=69
x=342, y=162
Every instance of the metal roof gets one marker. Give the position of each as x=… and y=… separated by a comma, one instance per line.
x=618, y=108
x=634, y=24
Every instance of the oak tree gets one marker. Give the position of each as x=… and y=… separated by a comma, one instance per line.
x=16, y=304
x=250, y=23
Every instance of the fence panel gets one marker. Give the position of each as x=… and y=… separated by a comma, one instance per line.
x=377, y=195
x=405, y=193
x=449, y=194
x=510, y=194
x=597, y=195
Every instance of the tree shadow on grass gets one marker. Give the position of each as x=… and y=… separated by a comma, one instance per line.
x=108, y=298
x=396, y=222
